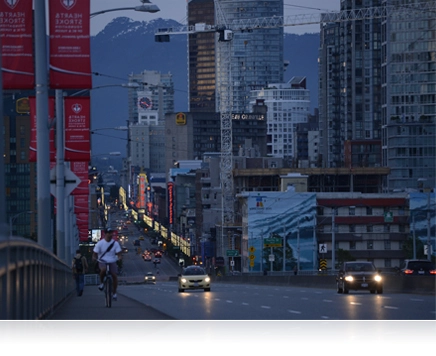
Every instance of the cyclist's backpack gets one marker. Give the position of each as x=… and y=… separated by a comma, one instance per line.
x=78, y=265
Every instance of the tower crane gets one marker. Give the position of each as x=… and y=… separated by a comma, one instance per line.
x=225, y=30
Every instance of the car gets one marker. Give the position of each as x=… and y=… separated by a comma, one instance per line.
x=417, y=268
x=150, y=278
x=158, y=254
x=359, y=275
x=194, y=277
x=156, y=261
x=124, y=249
x=146, y=257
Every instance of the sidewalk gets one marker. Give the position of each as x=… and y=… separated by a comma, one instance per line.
x=91, y=306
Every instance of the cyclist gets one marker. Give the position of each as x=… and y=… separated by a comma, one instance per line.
x=108, y=251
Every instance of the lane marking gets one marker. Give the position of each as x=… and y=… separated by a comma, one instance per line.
x=285, y=296
x=327, y=301
x=354, y=303
x=229, y=301
x=245, y=304
x=416, y=300
x=294, y=311
x=324, y=317
x=389, y=307
x=304, y=298
x=265, y=307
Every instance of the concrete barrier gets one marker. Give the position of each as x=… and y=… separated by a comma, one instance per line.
x=392, y=283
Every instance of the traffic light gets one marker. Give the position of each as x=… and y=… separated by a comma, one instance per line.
x=194, y=260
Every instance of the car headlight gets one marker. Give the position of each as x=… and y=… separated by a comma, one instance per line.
x=377, y=278
x=183, y=280
x=349, y=278
x=207, y=279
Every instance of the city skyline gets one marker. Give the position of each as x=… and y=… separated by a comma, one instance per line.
x=176, y=10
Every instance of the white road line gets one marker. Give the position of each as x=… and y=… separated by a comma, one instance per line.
x=285, y=296
x=304, y=298
x=389, y=307
x=327, y=300
x=265, y=307
x=294, y=311
x=354, y=303
x=245, y=304
x=324, y=317
x=416, y=300
x=217, y=299
x=229, y=301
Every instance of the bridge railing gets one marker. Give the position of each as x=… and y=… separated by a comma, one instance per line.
x=33, y=281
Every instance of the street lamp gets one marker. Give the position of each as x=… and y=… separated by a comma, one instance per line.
x=12, y=218
x=146, y=7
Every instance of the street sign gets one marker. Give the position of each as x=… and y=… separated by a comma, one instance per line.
x=251, y=249
x=426, y=249
x=271, y=258
x=251, y=263
x=323, y=264
x=389, y=216
x=232, y=253
x=71, y=181
x=252, y=257
x=272, y=242
x=322, y=248
x=232, y=263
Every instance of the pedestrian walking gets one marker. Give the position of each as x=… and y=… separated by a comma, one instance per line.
x=80, y=267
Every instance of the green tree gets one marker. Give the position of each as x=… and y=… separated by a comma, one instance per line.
x=343, y=256
x=408, y=248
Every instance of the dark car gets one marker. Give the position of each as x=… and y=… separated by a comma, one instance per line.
x=417, y=268
x=359, y=276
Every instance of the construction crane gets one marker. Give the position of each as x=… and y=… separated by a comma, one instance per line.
x=226, y=30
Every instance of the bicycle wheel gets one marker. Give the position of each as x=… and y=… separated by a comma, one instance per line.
x=109, y=292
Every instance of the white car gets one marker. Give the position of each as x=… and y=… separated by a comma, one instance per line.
x=150, y=278
x=194, y=277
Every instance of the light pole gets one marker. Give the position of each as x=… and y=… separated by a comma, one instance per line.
x=12, y=218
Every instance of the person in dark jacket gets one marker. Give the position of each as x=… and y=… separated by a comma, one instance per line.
x=80, y=267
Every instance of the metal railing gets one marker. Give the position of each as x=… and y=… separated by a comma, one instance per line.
x=33, y=281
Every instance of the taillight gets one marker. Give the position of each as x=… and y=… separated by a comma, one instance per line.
x=433, y=271
x=408, y=271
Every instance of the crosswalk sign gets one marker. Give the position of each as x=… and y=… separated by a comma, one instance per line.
x=322, y=248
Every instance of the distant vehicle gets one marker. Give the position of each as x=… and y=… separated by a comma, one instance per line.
x=150, y=278
x=194, y=277
x=147, y=257
x=124, y=249
x=417, y=268
x=156, y=261
x=359, y=276
x=158, y=254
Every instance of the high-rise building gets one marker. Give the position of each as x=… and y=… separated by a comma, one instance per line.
x=148, y=105
x=350, y=97
x=377, y=93
x=256, y=55
x=409, y=92
x=288, y=105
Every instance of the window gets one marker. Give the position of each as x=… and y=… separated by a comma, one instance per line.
x=352, y=245
x=387, y=228
x=369, y=245
x=368, y=210
x=352, y=210
x=352, y=228
x=388, y=263
x=387, y=244
x=369, y=228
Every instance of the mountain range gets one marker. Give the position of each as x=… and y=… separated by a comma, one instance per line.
x=127, y=47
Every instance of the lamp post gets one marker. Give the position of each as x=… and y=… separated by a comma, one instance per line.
x=12, y=218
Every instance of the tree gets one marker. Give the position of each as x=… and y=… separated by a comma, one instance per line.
x=408, y=248
x=343, y=256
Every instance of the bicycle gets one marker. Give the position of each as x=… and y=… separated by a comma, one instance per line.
x=107, y=286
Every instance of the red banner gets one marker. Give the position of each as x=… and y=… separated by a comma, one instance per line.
x=16, y=26
x=33, y=129
x=80, y=169
x=81, y=209
x=70, y=59
x=77, y=129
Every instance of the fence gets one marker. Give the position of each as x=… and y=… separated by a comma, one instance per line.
x=33, y=281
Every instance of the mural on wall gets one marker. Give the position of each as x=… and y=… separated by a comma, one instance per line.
x=274, y=217
x=422, y=225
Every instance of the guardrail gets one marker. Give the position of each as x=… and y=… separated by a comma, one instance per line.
x=33, y=281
